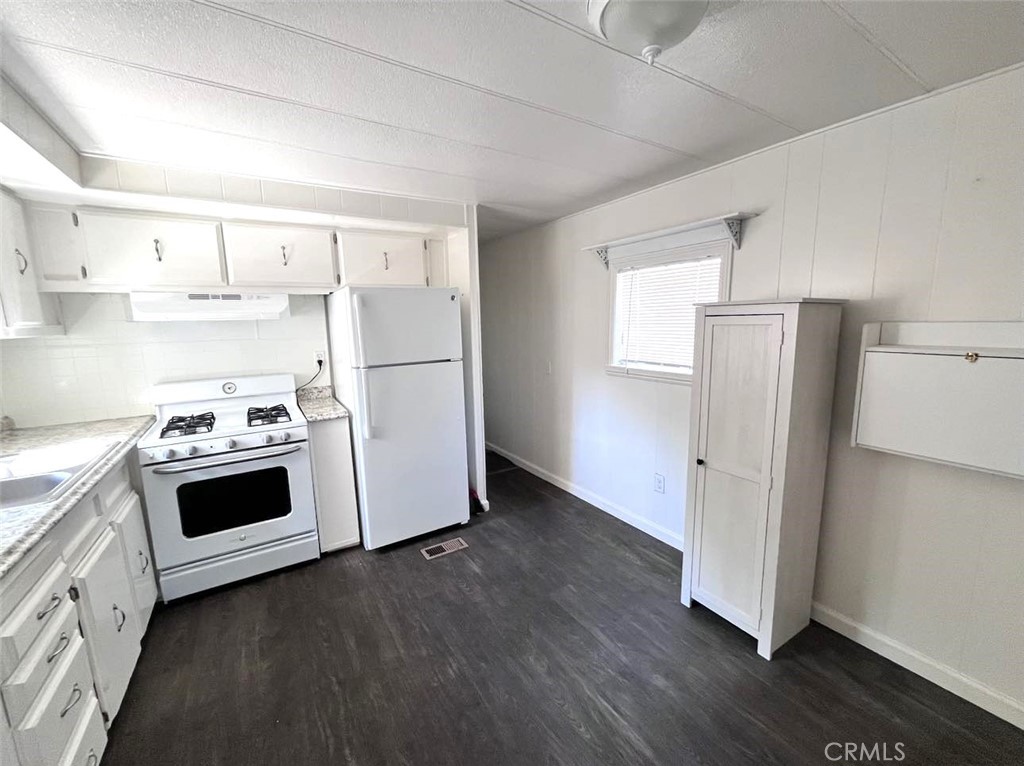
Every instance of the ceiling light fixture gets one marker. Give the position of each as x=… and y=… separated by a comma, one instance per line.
x=645, y=26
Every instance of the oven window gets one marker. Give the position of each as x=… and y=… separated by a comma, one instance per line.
x=237, y=500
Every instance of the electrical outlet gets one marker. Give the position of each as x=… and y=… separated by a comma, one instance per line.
x=320, y=358
x=659, y=483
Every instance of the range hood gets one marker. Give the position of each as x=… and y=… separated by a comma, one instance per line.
x=206, y=307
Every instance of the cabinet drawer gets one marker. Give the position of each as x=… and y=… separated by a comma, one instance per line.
x=279, y=255
x=32, y=615
x=44, y=734
x=41, y=660
x=89, y=739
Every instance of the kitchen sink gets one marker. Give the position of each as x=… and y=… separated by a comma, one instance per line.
x=30, y=490
x=43, y=475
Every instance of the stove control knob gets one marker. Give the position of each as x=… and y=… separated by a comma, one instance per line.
x=268, y=438
x=167, y=454
x=285, y=436
x=190, y=449
x=229, y=444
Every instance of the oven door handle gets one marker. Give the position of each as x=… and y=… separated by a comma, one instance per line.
x=191, y=466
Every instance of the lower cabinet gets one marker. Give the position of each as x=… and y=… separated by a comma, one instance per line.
x=43, y=736
x=71, y=619
x=130, y=529
x=106, y=608
x=334, y=484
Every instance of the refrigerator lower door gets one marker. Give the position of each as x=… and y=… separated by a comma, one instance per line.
x=410, y=450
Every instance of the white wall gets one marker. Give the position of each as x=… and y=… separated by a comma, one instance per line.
x=105, y=365
x=912, y=213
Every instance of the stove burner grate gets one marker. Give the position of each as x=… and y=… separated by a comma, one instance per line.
x=186, y=425
x=264, y=416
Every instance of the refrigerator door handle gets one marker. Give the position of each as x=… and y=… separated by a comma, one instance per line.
x=365, y=414
x=357, y=315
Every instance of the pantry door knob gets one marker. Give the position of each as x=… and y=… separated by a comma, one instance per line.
x=229, y=444
x=700, y=461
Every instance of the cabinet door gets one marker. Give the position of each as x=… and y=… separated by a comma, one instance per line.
x=334, y=484
x=372, y=259
x=59, y=245
x=23, y=306
x=738, y=388
x=109, y=623
x=140, y=251
x=131, y=531
x=279, y=255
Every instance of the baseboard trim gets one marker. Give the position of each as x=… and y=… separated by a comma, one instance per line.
x=948, y=678
x=622, y=514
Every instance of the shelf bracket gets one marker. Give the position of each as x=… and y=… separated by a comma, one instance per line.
x=602, y=253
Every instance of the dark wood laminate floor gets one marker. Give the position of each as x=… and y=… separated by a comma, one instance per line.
x=556, y=638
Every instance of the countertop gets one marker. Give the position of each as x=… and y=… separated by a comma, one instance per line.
x=319, y=404
x=23, y=527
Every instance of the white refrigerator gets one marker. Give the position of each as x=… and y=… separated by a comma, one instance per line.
x=396, y=360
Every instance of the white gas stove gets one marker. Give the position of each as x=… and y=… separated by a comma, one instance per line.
x=228, y=483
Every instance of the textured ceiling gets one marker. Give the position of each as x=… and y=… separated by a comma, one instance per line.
x=514, y=105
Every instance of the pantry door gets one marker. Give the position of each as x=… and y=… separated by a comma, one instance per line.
x=739, y=381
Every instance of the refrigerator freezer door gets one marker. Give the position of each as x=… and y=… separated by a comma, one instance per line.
x=404, y=325
x=410, y=444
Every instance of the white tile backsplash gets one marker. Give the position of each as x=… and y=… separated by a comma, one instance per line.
x=106, y=364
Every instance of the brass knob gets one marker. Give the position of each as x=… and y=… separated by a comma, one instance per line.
x=971, y=356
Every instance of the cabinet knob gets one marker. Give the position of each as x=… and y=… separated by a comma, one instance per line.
x=700, y=461
x=972, y=356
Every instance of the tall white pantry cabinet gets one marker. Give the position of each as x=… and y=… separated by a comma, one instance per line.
x=761, y=408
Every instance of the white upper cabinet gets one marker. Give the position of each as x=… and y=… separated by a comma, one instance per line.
x=25, y=311
x=388, y=259
x=263, y=255
x=151, y=251
x=59, y=247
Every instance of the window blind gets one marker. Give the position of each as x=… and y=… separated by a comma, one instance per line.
x=654, y=312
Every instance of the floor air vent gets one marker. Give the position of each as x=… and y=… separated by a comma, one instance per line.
x=442, y=549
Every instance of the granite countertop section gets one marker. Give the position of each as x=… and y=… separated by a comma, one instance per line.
x=319, y=404
x=22, y=527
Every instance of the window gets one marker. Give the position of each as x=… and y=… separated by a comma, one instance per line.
x=653, y=307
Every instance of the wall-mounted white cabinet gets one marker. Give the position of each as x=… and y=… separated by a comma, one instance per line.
x=140, y=251
x=60, y=246
x=263, y=255
x=760, y=415
x=383, y=259
x=23, y=309
x=949, y=392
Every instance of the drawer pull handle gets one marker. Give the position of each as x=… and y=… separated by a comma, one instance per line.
x=386, y=266
x=76, y=695
x=63, y=644
x=93, y=759
x=54, y=603
x=145, y=561
x=284, y=255
x=972, y=356
x=117, y=611
x=159, y=255
x=22, y=261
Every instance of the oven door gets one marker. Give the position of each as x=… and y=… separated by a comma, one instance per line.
x=206, y=507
